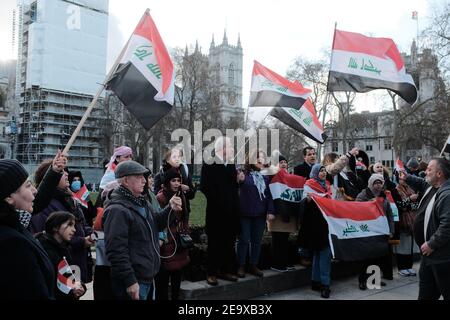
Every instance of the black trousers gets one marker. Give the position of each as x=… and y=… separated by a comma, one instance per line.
x=280, y=252
x=385, y=264
x=162, y=280
x=102, y=283
x=221, y=254
x=404, y=261
x=434, y=281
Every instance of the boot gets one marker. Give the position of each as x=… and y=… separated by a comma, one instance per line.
x=325, y=293
x=241, y=272
x=316, y=286
x=256, y=272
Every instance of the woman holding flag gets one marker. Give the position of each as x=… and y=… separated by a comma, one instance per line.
x=59, y=231
x=314, y=231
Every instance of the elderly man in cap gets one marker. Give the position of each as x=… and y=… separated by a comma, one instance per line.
x=131, y=233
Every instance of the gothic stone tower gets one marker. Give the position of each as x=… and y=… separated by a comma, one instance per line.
x=225, y=63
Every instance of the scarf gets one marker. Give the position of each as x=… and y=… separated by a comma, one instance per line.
x=24, y=218
x=260, y=184
x=318, y=187
x=314, y=174
x=139, y=201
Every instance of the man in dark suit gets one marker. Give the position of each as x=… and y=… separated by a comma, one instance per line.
x=304, y=169
x=219, y=184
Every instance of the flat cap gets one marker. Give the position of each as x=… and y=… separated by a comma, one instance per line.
x=129, y=168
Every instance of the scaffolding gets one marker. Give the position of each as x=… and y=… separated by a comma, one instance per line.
x=47, y=120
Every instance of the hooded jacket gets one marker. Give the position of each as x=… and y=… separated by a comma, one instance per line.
x=131, y=238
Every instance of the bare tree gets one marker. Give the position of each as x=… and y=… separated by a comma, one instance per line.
x=345, y=107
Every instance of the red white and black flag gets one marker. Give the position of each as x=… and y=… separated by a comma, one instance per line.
x=144, y=79
x=304, y=120
x=287, y=191
x=357, y=230
x=362, y=64
x=269, y=89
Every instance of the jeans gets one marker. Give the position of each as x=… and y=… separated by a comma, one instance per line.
x=321, y=266
x=252, y=230
x=120, y=291
x=144, y=290
x=434, y=281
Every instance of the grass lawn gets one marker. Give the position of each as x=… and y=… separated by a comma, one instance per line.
x=198, y=210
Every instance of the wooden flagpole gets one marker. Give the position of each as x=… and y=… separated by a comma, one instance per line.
x=99, y=92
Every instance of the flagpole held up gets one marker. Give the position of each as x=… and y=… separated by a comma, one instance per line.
x=97, y=95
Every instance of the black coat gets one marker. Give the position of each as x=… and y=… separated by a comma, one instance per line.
x=303, y=170
x=26, y=272
x=56, y=252
x=219, y=185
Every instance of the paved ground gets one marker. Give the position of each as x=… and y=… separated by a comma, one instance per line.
x=401, y=288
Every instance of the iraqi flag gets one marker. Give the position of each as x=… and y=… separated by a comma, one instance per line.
x=144, y=79
x=82, y=196
x=362, y=64
x=65, y=280
x=287, y=191
x=303, y=120
x=357, y=230
x=269, y=89
x=399, y=166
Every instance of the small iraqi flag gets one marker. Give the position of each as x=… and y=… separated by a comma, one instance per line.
x=399, y=166
x=357, y=230
x=65, y=280
x=362, y=64
x=144, y=79
x=269, y=89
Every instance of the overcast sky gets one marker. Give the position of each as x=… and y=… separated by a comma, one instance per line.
x=273, y=32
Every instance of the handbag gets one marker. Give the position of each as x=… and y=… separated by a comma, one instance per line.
x=184, y=241
x=178, y=261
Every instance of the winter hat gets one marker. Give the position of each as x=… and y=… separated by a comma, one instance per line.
x=12, y=176
x=375, y=177
x=281, y=158
x=412, y=164
x=171, y=174
x=129, y=168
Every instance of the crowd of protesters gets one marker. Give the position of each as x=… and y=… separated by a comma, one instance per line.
x=139, y=224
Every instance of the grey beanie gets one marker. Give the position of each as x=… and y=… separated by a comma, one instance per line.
x=374, y=177
x=412, y=163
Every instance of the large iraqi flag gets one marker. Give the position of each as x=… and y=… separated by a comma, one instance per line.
x=269, y=89
x=144, y=79
x=362, y=64
x=304, y=120
x=357, y=230
x=287, y=191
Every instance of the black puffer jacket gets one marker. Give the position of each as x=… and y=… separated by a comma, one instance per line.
x=131, y=237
